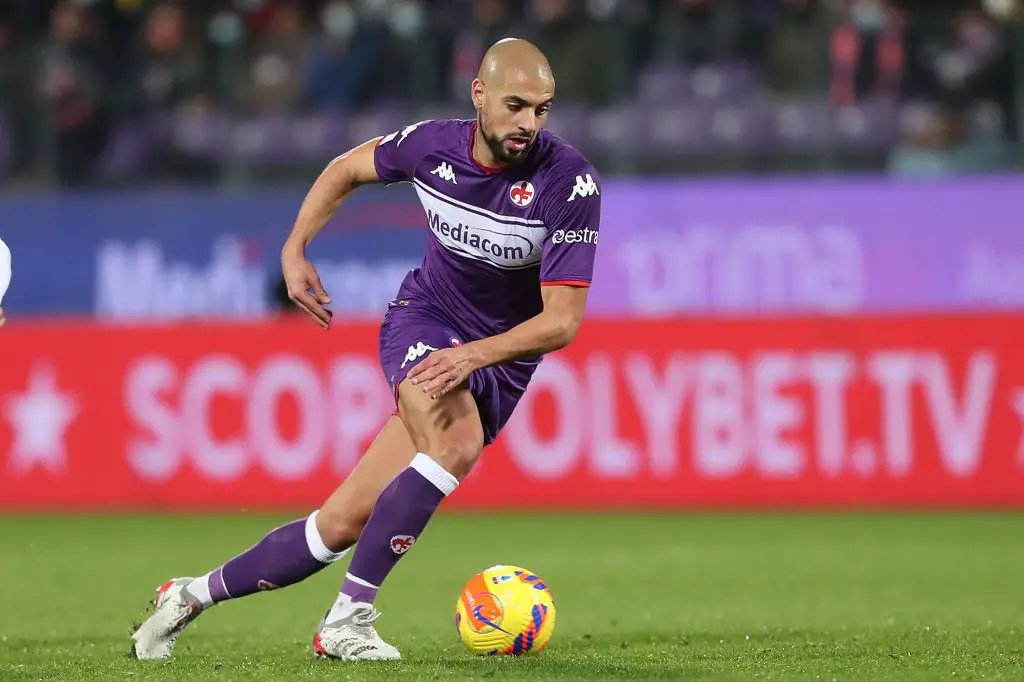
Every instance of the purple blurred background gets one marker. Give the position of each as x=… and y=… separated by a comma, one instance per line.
x=169, y=144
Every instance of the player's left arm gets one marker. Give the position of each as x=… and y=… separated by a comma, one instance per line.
x=552, y=329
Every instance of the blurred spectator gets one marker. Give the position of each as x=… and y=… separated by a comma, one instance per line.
x=71, y=83
x=1004, y=10
x=277, y=67
x=868, y=52
x=340, y=59
x=412, y=57
x=944, y=140
x=490, y=21
x=170, y=68
x=796, y=48
x=697, y=31
x=16, y=99
x=226, y=34
x=582, y=52
x=964, y=58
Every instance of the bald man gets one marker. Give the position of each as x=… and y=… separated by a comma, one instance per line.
x=513, y=214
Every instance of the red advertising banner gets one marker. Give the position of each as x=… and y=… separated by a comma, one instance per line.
x=794, y=413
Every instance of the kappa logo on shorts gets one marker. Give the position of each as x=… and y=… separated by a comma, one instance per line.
x=400, y=544
x=521, y=193
x=416, y=352
x=265, y=586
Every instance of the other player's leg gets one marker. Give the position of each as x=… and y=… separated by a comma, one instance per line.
x=286, y=555
x=449, y=437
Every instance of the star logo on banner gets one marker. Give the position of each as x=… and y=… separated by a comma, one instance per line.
x=39, y=418
x=1017, y=403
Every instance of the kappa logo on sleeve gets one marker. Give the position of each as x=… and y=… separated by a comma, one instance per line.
x=585, y=187
x=403, y=133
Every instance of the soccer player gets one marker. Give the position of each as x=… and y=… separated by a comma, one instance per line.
x=513, y=214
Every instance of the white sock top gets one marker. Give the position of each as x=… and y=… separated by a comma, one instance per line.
x=428, y=467
x=320, y=551
x=200, y=589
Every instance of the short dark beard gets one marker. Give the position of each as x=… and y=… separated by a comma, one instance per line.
x=497, y=147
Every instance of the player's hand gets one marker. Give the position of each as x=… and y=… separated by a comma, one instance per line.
x=443, y=370
x=304, y=287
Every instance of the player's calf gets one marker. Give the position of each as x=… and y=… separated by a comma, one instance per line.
x=450, y=434
x=343, y=515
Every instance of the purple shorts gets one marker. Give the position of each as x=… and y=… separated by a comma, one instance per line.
x=412, y=330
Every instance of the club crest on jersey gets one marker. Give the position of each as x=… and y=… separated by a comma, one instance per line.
x=522, y=193
x=400, y=544
x=455, y=342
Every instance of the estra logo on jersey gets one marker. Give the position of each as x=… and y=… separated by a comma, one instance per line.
x=584, y=235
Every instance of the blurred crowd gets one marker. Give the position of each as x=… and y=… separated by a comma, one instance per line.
x=75, y=73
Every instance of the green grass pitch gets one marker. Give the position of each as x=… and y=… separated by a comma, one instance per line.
x=675, y=597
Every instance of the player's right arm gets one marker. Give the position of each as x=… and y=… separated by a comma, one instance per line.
x=337, y=181
x=391, y=158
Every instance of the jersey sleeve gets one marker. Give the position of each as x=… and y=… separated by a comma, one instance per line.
x=397, y=154
x=573, y=218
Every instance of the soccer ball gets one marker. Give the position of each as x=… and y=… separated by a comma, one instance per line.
x=505, y=610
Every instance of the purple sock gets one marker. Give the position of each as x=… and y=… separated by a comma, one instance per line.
x=284, y=556
x=402, y=512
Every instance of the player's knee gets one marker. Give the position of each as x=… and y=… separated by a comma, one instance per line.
x=340, y=528
x=458, y=457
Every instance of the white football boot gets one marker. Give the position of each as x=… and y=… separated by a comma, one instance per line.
x=174, y=608
x=352, y=637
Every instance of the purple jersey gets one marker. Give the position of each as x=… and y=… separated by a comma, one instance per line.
x=496, y=235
